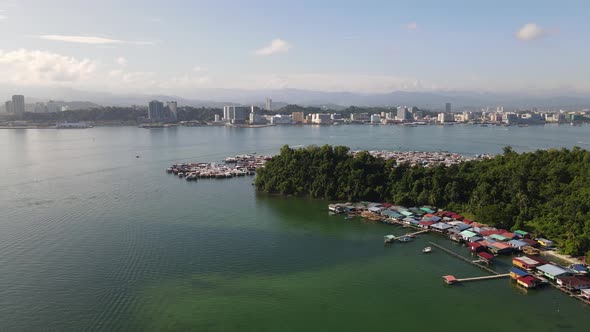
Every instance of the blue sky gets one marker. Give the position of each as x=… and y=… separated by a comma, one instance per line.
x=360, y=46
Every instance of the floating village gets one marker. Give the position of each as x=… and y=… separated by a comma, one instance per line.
x=239, y=165
x=529, y=269
x=425, y=158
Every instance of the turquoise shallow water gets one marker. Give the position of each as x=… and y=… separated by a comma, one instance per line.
x=93, y=238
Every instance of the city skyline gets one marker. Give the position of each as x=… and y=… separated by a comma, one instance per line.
x=376, y=47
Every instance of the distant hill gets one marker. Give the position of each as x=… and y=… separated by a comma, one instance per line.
x=281, y=97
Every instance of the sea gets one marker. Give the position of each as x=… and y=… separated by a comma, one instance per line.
x=95, y=236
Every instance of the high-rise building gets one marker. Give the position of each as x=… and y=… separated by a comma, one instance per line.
x=18, y=104
x=375, y=118
x=239, y=114
x=172, y=105
x=8, y=106
x=268, y=104
x=297, y=117
x=52, y=107
x=320, y=118
x=155, y=110
x=445, y=117
x=448, y=107
x=227, y=113
x=403, y=114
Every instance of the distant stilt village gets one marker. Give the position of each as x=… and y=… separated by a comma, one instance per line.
x=486, y=243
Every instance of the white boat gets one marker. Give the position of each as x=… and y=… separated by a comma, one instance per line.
x=426, y=250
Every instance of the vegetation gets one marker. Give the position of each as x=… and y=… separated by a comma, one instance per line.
x=546, y=191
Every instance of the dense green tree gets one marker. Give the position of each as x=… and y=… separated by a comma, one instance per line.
x=546, y=191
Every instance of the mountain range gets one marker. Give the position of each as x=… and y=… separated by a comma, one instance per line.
x=461, y=100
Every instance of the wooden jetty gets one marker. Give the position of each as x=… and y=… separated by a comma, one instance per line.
x=452, y=280
x=454, y=254
x=388, y=239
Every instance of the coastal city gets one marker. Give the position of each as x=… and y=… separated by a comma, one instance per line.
x=158, y=114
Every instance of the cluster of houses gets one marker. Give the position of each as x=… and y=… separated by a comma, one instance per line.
x=484, y=241
x=531, y=272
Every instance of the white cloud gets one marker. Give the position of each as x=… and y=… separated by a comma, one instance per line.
x=199, y=69
x=33, y=66
x=411, y=26
x=530, y=31
x=121, y=61
x=328, y=82
x=276, y=46
x=2, y=17
x=91, y=40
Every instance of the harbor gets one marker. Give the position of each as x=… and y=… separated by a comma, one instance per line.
x=485, y=244
x=240, y=165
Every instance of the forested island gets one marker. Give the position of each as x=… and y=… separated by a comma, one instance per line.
x=546, y=191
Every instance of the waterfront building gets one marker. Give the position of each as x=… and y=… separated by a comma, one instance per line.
x=403, y=114
x=257, y=119
x=227, y=113
x=448, y=107
x=240, y=114
x=375, y=118
x=336, y=116
x=552, y=271
x=8, y=106
x=525, y=262
x=509, y=118
x=268, y=106
x=445, y=117
x=172, y=105
x=18, y=104
x=574, y=282
x=155, y=110
x=297, y=117
x=216, y=118
x=281, y=119
x=360, y=117
x=321, y=118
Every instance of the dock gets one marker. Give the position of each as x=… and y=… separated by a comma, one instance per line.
x=454, y=254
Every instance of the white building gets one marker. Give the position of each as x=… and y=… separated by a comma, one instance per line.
x=403, y=114
x=281, y=119
x=375, y=118
x=445, y=117
x=320, y=118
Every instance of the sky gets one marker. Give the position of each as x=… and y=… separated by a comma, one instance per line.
x=357, y=46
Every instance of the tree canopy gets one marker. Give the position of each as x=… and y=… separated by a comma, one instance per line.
x=546, y=191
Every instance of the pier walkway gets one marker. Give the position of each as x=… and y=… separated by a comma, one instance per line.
x=454, y=254
x=416, y=233
x=495, y=276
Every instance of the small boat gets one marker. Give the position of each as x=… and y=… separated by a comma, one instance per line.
x=427, y=250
